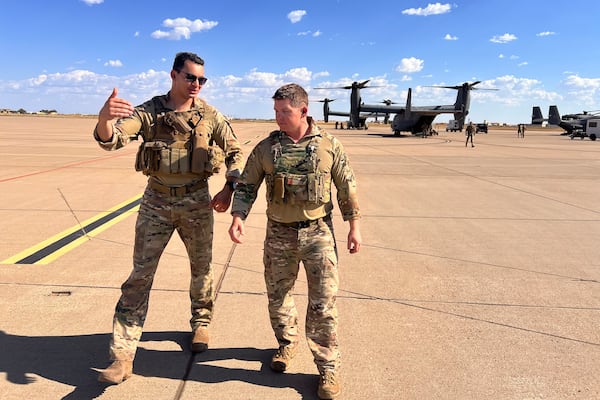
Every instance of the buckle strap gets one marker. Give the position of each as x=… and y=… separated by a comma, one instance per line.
x=306, y=223
x=177, y=190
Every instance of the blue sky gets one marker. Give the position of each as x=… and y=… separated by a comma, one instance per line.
x=67, y=55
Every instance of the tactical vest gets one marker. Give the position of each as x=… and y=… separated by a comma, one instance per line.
x=178, y=144
x=296, y=177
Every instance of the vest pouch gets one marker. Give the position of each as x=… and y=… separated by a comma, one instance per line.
x=139, y=158
x=200, y=157
x=315, y=188
x=149, y=157
x=296, y=188
x=278, y=187
x=183, y=161
x=174, y=161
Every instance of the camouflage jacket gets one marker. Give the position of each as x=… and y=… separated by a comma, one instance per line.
x=268, y=162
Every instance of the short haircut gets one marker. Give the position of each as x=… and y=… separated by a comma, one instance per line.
x=184, y=56
x=294, y=93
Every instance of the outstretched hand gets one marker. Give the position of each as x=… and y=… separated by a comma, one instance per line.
x=115, y=107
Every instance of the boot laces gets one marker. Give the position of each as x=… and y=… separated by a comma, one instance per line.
x=328, y=377
x=284, y=352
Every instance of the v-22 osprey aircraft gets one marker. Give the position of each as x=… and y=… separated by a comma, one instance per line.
x=586, y=123
x=409, y=118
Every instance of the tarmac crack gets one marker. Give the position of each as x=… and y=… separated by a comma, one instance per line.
x=192, y=357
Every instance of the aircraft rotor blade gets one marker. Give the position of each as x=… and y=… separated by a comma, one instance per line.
x=471, y=86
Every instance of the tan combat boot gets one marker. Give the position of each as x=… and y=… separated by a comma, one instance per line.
x=329, y=385
x=282, y=358
x=117, y=372
x=200, y=340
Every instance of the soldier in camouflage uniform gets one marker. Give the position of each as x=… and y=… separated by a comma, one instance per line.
x=183, y=142
x=299, y=163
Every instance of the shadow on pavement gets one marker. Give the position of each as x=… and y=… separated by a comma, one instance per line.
x=73, y=361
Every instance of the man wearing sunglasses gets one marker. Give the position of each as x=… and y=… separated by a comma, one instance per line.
x=183, y=142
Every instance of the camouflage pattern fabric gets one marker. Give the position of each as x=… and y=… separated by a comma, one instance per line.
x=159, y=216
x=321, y=155
x=314, y=246
x=333, y=167
x=214, y=126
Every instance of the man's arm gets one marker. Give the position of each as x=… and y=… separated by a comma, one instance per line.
x=113, y=108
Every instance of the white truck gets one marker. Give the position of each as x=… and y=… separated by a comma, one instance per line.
x=591, y=129
x=452, y=126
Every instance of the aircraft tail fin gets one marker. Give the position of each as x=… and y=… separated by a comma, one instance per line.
x=463, y=100
x=536, y=116
x=553, y=115
x=408, y=103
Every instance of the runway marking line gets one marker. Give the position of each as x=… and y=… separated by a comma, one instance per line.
x=52, y=248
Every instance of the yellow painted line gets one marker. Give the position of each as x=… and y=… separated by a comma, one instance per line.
x=61, y=243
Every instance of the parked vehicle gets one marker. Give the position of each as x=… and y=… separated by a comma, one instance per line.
x=481, y=128
x=453, y=126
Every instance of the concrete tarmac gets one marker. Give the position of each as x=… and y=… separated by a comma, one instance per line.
x=479, y=275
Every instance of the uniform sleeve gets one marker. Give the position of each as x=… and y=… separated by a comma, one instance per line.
x=247, y=189
x=124, y=131
x=225, y=137
x=345, y=182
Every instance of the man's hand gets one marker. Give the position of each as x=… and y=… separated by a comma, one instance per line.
x=114, y=107
x=354, y=237
x=236, y=230
x=222, y=200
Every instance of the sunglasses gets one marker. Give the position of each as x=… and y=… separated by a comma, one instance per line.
x=191, y=78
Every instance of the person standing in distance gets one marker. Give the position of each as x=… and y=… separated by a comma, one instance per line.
x=299, y=163
x=184, y=140
x=469, y=132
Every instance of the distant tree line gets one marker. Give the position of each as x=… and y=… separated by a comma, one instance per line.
x=23, y=111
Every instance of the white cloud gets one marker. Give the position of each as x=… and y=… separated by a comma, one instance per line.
x=230, y=80
x=317, y=34
x=585, y=90
x=92, y=2
x=299, y=75
x=507, y=37
x=182, y=28
x=320, y=74
x=579, y=82
x=500, y=55
x=410, y=65
x=113, y=63
x=431, y=9
x=257, y=78
x=450, y=37
x=547, y=33
x=524, y=63
x=296, y=15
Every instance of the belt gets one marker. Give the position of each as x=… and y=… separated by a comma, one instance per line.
x=305, y=223
x=177, y=190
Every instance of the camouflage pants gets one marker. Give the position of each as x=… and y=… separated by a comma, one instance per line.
x=314, y=246
x=159, y=216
